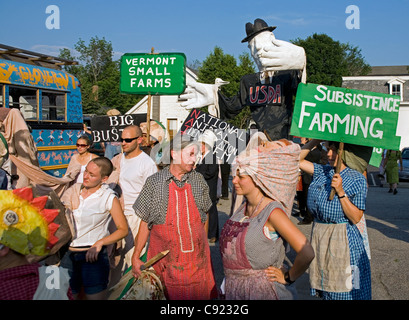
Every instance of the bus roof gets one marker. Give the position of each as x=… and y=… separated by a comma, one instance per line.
x=34, y=58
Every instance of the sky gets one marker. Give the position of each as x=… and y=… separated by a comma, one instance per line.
x=195, y=28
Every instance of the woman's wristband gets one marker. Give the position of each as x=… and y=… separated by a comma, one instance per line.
x=287, y=278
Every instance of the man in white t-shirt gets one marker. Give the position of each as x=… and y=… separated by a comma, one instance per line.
x=132, y=168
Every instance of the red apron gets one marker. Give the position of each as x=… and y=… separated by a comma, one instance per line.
x=186, y=271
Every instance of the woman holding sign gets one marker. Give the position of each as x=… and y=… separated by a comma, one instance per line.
x=341, y=269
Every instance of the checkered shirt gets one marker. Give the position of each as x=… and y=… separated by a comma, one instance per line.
x=152, y=203
x=21, y=282
x=330, y=211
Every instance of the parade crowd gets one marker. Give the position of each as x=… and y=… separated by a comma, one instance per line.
x=125, y=210
x=150, y=197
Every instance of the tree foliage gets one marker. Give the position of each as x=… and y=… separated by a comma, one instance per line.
x=329, y=60
x=225, y=66
x=96, y=56
x=99, y=77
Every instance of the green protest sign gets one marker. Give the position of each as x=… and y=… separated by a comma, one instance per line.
x=376, y=157
x=346, y=115
x=155, y=74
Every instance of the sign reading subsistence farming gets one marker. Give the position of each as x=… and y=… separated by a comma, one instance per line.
x=346, y=115
x=153, y=73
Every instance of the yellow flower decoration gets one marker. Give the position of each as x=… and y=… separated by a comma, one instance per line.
x=25, y=225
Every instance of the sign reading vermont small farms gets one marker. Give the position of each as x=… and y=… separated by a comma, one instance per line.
x=346, y=115
x=153, y=73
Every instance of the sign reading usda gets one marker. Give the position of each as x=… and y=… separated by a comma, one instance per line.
x=346, y=115
x=155, y=74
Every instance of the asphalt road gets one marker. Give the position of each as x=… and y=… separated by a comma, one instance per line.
x=387, y=218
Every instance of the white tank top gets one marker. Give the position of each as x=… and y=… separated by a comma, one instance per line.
x=80, y=178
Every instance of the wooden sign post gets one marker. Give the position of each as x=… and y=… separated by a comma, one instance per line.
x=338, y=166
x=148, y=113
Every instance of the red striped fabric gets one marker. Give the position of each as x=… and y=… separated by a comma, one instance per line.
x=186, y=271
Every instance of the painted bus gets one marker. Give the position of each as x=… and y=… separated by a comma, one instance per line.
x=49, y=100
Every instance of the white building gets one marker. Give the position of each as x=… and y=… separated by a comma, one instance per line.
x=390, y=80
x=166, y=109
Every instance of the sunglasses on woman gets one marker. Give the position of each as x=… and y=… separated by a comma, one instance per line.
x=79, y=145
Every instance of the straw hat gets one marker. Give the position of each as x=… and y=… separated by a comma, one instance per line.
x=113, y=112
x=157, y=132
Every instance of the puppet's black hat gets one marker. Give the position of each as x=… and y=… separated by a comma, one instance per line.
x=254, y=29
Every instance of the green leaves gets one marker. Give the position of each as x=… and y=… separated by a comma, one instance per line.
x=224, y=66
x=329, y=60
x=99, y=77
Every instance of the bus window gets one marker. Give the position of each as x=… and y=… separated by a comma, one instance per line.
x=53, y=106
x=49, y=100
x=24, y=99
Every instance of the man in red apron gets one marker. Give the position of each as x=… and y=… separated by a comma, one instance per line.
x=173, y=206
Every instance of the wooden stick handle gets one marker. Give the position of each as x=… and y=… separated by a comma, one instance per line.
x=338, y=167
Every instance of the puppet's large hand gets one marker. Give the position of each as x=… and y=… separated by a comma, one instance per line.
x=198, y=95
x=282, y=55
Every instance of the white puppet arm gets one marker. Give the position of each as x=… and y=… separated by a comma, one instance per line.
x=198, y=95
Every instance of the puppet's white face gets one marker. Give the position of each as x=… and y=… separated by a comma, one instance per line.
x=259, y=46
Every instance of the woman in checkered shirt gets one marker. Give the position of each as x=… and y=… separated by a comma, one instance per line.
x=341, y=269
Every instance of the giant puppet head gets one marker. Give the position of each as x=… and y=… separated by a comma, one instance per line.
x=269, y=54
